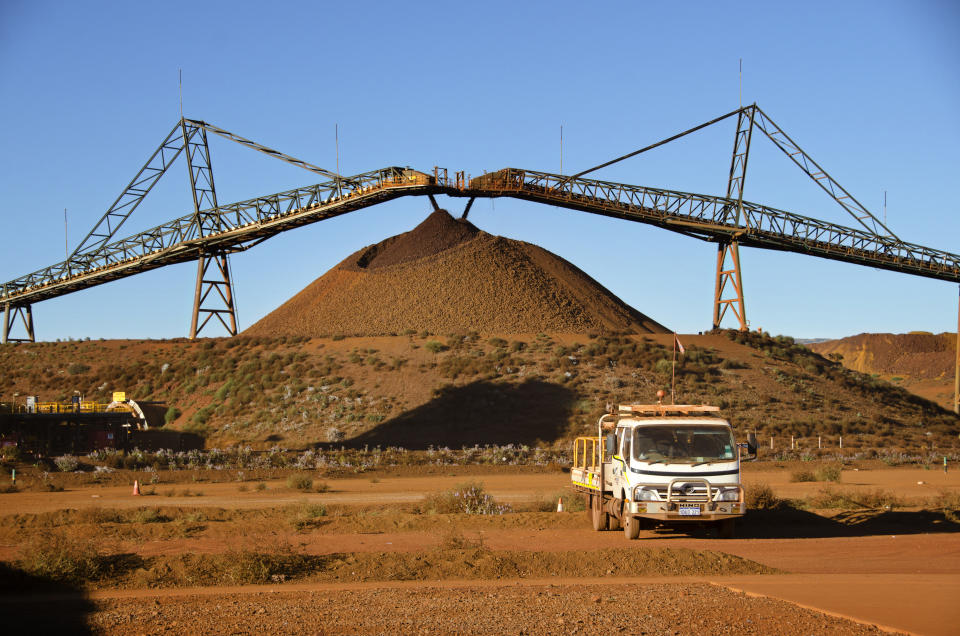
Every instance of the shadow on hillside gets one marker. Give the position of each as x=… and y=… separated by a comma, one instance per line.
x=479, y=413
x=791, y=523
x=34, y=605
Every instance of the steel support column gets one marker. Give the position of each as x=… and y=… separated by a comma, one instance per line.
x=728, y=253
x=208, y=221
x=10, y=315
x=216, y=280
x=728, y=280
x=466, y=210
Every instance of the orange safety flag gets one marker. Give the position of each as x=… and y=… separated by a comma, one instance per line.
x=678, y=345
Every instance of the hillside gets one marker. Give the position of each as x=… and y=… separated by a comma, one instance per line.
x=447, y=276
x=920, y=362
x=463, y=389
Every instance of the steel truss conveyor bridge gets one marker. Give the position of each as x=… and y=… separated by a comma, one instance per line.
x=213, y=231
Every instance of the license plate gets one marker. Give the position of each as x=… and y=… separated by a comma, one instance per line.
x=689, y=511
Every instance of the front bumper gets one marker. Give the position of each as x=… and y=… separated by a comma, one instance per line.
x=678, y=503
x=686, y=512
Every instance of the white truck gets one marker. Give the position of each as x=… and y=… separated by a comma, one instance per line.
x=656, y=464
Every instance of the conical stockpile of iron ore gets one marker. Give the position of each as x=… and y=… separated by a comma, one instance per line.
x=446, y=276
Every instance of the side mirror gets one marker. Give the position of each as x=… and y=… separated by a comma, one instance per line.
x=750, y=447
x=611, y=445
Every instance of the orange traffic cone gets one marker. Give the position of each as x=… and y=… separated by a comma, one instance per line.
x=560, y=504
x=136, y=487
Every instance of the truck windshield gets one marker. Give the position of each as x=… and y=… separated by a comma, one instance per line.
x=688, y=444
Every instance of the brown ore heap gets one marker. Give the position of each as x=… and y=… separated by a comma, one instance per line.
x=446, y=276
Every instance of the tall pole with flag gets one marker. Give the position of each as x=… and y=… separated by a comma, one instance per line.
x=673, y=372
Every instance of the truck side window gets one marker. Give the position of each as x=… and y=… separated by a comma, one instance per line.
x=624, y=444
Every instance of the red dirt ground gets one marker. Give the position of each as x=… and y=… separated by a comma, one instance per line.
x=904, y=582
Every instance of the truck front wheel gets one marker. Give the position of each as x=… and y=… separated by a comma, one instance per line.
x=727, y=528
x=597, y=514
x=631, y=527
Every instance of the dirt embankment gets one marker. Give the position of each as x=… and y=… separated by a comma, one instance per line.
x=447, y=276
x=923, y=363
x=920, y=356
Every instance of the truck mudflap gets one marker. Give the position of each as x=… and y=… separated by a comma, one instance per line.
x=680, y=504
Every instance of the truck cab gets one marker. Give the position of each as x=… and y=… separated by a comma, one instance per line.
x=660, y=464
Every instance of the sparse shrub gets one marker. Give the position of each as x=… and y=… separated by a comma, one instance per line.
x=149, y=515
x=830, y=472
x=732, y=364
x=171, y=415
x=454, y=539
x=306, y=515
x=76, y=368
x=261, y=486
x=57, y=556
x=829, y=498
x=299, y=482
x=467, y=498
x=803, y=475
x=498, y=343
x=761, y=497
x=663, y=366
x=434, y=347
x=66, y=463
x=334, y=434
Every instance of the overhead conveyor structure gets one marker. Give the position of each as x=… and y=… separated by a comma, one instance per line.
x=213, y=231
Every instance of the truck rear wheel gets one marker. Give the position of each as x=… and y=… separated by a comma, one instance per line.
x=631, y=527
x=597, y=515
x=613, y=522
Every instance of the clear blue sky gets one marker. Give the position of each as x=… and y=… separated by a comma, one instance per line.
x=870, y=89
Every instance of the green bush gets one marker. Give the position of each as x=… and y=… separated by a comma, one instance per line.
x=56, y=556
x=761, y=497
x=171, y=415
x=434, y=347
x=306, y=515
x=467, y=498
x=831, y=472
x=663, y=366
x=300, y=482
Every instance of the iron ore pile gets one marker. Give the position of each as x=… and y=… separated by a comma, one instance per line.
x=447, y=276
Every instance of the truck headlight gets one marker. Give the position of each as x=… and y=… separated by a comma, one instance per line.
x=645, y=494
x=731, y=494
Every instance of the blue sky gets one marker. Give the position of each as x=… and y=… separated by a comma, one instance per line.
x=870, y=89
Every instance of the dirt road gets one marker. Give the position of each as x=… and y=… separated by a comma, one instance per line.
x=395, y=490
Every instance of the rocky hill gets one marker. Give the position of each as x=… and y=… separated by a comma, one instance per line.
x=424, y=390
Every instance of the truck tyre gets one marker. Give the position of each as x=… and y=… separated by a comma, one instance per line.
x=613, y=522
x=631, y=527
x=597, y=515
x=727, y=528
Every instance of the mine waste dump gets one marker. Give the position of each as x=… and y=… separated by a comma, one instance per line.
x=448, y=276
